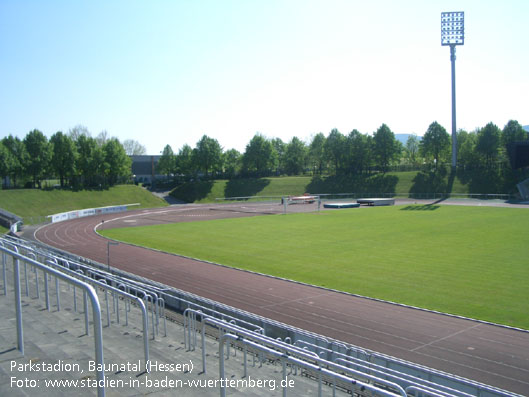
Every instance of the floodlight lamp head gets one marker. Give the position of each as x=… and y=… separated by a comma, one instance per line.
x=453, y=28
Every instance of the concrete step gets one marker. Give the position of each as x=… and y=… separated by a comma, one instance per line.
x=59, y=337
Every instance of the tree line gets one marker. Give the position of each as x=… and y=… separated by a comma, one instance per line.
x=76, y=159
x=79, y=160
x=339, y=154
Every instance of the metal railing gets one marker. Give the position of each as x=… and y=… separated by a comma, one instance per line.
x=114, y=291
x=284, y=351
x=88, y=290
x=98, y=279
x=288, y=353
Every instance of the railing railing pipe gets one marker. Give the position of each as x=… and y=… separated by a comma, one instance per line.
x=18, y=304
x=103, y=284
x=4, y=273
x=221, y=323
x=154, y=310
x=88, y=289
x=417, y=391
x=401, y=377
x=117, y=307
x=46, y=291
x=161, y=302
x=37, y=290
x=297, y=361
x=124, y=288
x=303, y=354
x=58, y=292
x=26, y=278
x=106, y=302
x=148, y=299
x=85, y=308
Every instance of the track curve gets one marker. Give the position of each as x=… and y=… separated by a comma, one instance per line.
x=487, y=353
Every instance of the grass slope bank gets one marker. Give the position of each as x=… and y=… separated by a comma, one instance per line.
x=469, y=261
x=406, y=183
x=33, y=204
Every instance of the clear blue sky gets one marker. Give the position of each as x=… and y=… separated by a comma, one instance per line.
x=168, y=72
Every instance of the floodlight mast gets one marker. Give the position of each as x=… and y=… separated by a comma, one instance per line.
x=453, y=34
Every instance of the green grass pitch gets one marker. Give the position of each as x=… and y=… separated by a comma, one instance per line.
x=470, y=261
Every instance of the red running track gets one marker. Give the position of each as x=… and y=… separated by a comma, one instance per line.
x=487, y=353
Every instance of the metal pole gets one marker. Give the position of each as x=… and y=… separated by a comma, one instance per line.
x=46, y=290
x=454, y=132
x=4, y=260
x=109, y=243
x=18, y=304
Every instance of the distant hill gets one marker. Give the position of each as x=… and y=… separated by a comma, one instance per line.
x=526, y=127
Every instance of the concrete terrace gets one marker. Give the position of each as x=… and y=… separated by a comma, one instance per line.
x=58, y=349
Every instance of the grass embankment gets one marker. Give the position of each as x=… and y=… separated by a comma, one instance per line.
x=468, y=261
x=208, y=191
x=33, y=205
x=403, y=183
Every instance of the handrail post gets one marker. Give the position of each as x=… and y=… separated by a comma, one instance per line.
x=4, y=264
x=85, y=305
x=4, y=259
x=18, y=305
x=117, y=308
x=35, y=270
x=98, y=337
x=46, y=291
x=221, y=366
x=145, y=319
x=26, y=277
x=58, y=292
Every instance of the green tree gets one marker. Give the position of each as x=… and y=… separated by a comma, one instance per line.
x=167, y=162
x=435, y=143
x=75, y=132
x=358, y=151
x=488, y=143
x=208, y=155
x=232, y=162
x=280, y=147
x=39, y=156
x=18, y=154
x=6, y=161
x=411, y=150
x=134, y=148
x=317, y=153
x=63, y=156
x=184, y=161
x=90, y=160
x=513, y=132
x=259, y=157
x=467, y=156
x=386, y=148
x=295, y=157
x=117, y=163
x=102, y=138
x=335, y=150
